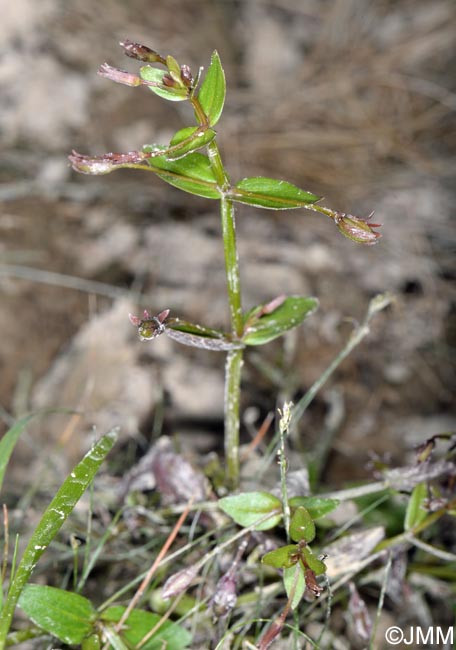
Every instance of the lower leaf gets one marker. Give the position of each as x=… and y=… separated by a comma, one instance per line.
x=169, y=635
x=250, y=507
x=65, y=615
x=295, y=584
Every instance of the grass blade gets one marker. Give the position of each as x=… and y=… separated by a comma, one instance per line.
x=8, y=442
x=52, y=520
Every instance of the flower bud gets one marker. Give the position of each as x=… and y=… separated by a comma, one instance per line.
x=108, y=162
x=88, y=165
x=186, y=76
x=225, y=597
x=311, y=583
x=357, y=229
x=119, y=76
x=149, y=327
x=169, y=82
x=141, y=52
x=179, y=582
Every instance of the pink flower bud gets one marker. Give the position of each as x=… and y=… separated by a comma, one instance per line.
x=225, y=597
x=119, y=76
x=108, y=162
x=169, y=82
x=149, y=327
x=141, y=52
x=88, y=165
x=179, y=582
x=186, y=76
x=357, y=229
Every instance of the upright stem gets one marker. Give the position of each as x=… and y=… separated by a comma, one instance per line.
x=231, y=265
x=234, y=358
x=229, y=240
x=232, y=397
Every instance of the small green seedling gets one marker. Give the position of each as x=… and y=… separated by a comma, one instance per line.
x=300, y=566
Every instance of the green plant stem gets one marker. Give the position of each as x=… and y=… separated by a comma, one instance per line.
x=232, y=398
x=355, y=339
x=284, y=425
x=234, y=359
x=232, y=266
x=381, y=600
x=377, y=303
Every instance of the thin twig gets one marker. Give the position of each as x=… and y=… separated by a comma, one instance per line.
x=262, y=431
x=149, y=575
x=61, y=280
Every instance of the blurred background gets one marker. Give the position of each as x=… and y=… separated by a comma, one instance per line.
x=352, y=100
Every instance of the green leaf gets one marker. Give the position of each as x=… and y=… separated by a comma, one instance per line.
x=188, y=140
x=271, y=193
x=317, y=566
x=415, y=514
x=170, y=635
x=8, y=442
x=92, y=642
x=69, y=494
x=51, y=521
x=191, y=174
x=194, y=328
x=65, y=615
x=200, y=336
x=155, y=76
x=212, y=91
x=268, y=327
x=173, y=66
x=196, y=337
x=294, y=581
x=316, y=506
x=302, y=526
x=248, y=507
x=281, y=558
